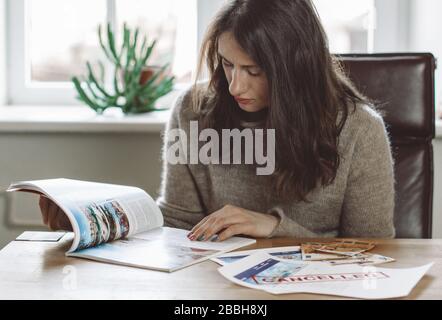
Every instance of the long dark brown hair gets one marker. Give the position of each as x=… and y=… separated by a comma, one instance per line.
x=310, y=97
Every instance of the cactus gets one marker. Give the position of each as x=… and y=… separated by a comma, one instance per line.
x=129, y=61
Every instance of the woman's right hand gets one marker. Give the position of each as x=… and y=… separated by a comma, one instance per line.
x=53, y=216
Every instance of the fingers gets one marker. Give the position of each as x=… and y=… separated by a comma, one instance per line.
x=201, y=233
x=43, y=204
x=63, y=221
x=53, y=216
x=215, y=224
x=197, y=231
x=199, y=224
x=234, y=230
x=227, y=209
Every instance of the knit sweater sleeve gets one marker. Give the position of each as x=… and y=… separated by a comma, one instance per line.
x=368, y=207
x=287, y=227
x=179, y=199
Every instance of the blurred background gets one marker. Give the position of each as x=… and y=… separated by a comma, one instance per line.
x=46, y=133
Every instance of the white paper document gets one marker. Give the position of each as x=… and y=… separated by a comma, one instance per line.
x=278, y=276
x=40, y=236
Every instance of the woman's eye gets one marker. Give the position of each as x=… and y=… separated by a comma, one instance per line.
x=254, y=73
x=226, y=64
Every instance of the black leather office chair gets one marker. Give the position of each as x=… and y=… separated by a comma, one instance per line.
x=403, y=87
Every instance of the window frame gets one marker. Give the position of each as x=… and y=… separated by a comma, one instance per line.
x=22, y=92
x=389, y=35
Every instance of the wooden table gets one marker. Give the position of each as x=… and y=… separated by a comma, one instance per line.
x=40, y=270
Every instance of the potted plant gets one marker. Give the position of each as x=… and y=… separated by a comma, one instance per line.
x=135, y=85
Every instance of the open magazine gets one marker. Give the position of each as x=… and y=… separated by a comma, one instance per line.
x=123, y=225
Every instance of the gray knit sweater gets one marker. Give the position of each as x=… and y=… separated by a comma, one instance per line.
x=359, y=203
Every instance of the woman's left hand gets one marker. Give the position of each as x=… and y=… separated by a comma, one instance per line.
x=231, y=220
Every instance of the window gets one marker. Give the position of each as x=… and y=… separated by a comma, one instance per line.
x=58, y=45
x=57, y=57
x=52, y=40
x=349, y=24
x=173, y=23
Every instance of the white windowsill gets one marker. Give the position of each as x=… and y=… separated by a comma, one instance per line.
x=25, y=119
x=21, y=119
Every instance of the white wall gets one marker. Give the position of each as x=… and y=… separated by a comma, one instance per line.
x=2, y=52
x=426, y=31
x=392, y=25
x=206, y=11
x=126, y=158
x=437, y=196
x=425, y=28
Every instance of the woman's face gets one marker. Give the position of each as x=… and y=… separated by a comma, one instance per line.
x=247, y=82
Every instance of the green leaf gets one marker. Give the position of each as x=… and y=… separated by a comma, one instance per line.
x=83, y=96
x=102, y=72
x=148, y=86
x=93, y=79
x=103, y=47
x=111, y=41
x=149, y=52
x=135, y=42
x=92, y=91
x=116, y=86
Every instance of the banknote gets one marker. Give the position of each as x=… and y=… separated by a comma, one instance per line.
x=339, y=247
x=362, y=259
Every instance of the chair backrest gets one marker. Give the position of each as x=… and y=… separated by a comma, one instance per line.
x=402, y=86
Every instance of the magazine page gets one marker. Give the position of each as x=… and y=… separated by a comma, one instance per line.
x=98, y=212
x=289, y=253
x=277, y=276
x=164, y=249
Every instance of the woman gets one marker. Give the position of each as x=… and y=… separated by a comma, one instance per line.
x=270, y=68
